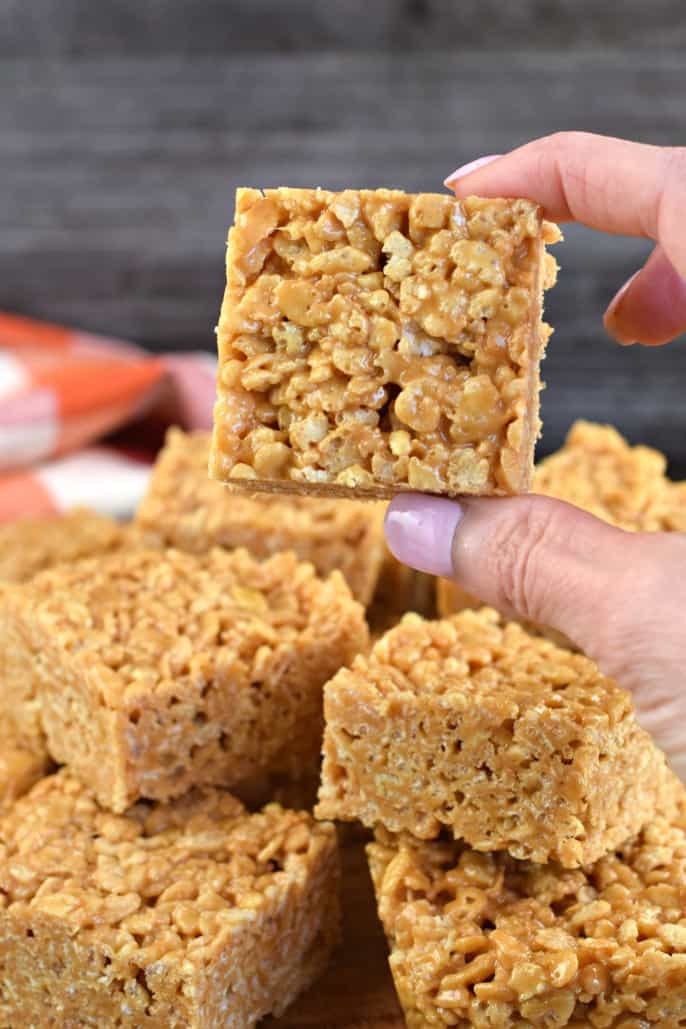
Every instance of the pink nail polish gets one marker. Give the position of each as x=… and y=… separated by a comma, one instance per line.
x=467, y=169
x=420, y=530
x=611, y=312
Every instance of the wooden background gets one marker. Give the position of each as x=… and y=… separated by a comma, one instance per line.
x=125, y=126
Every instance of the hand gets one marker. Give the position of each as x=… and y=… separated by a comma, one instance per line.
x=620, y=596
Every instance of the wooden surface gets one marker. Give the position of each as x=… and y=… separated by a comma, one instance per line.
x=357, y=990
x=125, y=128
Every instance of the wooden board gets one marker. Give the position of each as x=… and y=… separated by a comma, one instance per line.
x=357, y=990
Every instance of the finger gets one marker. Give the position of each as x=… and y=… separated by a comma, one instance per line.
x=651, y=307
x=531, y=557
x=605, y=183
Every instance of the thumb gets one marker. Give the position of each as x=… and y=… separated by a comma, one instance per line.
x=546, y=561
x=619, y=596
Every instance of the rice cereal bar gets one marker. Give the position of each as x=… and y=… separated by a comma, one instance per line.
x=158, y=671
x=20, y=768
x=185, y=508
x=482, y=941
x=29, y=545
x=599, y=471
x=502, y=738
x=192, y=915
x=372, y=342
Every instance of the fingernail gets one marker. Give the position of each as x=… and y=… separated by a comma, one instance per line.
x=466, y=169
x=611, y=324
x=420, y=530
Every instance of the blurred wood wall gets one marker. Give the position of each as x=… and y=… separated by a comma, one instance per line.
x=125, y=127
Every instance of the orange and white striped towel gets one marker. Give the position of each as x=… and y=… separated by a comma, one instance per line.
x=61, y=391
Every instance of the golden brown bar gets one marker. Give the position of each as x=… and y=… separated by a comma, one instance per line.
x=482, y=941
x=185, y=508
x=20, y=768
x=599, y=471
x=29, y=545
x=502, y=738
x=193, y=914
x=372, y=342
x=157, y=671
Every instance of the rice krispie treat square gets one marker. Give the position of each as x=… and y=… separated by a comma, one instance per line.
x=485, y=941
x=502, y=738
x=373, y=342
x=598, y=471
x=193, y=914
x=29, y=545
x=20, y=768
x=155, y=671
x=185, y=508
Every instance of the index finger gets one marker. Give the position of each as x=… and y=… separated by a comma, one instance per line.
x=608, y=184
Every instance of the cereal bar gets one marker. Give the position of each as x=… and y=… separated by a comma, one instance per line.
x=372, y=342
x=482, y=941
x=506, y=740
x=20, y=768
x=184, y=508
x=157, y=671
x=599, y=471
x=29, y=545
x=192, y=915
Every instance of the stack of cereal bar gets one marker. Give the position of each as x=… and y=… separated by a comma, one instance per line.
x=529, y=840
x=26, y=548
x=529, y=858
x=135, y=890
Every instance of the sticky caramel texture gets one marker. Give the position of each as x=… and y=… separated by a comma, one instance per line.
x=156, y=671
x=193, y=915
x=184, y=508
x=505, y=740
x=482, y=941
x=372, y=342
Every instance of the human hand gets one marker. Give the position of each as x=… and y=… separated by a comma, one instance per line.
x=620, y=596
